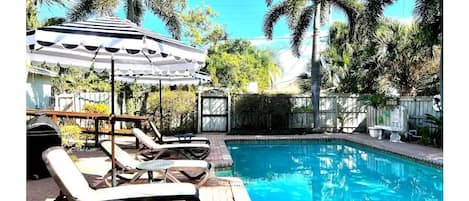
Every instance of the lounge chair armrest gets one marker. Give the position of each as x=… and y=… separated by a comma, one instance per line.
x=185, y=135
x=185, y=138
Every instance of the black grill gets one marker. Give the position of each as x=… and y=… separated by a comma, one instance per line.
x=42, y=133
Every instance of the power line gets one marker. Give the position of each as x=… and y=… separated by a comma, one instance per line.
x=273, y=38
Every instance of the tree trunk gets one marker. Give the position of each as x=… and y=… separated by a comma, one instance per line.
x=315, y=68
x=441, y=77
x=143, y=107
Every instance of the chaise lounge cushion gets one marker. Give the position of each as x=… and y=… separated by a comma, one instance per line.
x=75, y=187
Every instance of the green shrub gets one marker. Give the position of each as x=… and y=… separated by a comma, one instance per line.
x=436, y=122
x=376, y=101
x=178, y=107
x=425, y=132
x=99, y=108
x=71, y=136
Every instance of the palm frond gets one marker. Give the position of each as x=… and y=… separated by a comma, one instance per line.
x=352, y=8
x=426, y=10
x=268, y=3
x=53, y=21
x=81, y=10
x=373, y=11
x=105, y=7
x=294, y=9
x=134, y=10
x=304, y=22
x=272, y=17
x=166, y=11
x=429, y=17
x=50, y=2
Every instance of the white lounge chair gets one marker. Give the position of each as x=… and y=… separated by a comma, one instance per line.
x=73, y=185
x=153, y=150
x=130, y=169
x=179, y=138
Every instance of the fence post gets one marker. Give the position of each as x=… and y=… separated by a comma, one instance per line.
x=229, y=113
x=336, y=106
x=76, y=101
x=199, y=113
x=269, y=113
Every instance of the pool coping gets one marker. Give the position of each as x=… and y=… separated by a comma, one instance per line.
x=221, y=158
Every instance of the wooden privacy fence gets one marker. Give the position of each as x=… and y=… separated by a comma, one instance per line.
x=414, y=108
x=343, y=113
x=74, y=102
x=294, y=112
x=337, y=113
x=266, y=113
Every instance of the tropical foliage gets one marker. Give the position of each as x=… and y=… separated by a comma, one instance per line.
x=79, y=80
x=234, y=64
x=397, y=60
x=429, y=14
x=300, y=14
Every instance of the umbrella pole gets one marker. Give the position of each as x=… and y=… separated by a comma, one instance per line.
x=112, y=125
x=161, y=109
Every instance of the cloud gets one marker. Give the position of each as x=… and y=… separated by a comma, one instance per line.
x=276, y=42
x=406, y=21
x=291, y=65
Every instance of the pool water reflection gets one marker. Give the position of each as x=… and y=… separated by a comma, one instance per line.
x=336, y=170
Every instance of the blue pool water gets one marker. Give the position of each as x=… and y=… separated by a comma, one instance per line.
x=333, y=171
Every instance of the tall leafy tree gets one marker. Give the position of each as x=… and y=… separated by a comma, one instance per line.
x=166, y=10
x=301, y=13
x=199, y=28
x=236, y=63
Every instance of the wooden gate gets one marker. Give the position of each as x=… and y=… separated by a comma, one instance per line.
x=214, y=113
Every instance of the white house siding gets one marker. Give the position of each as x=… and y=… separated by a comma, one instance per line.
x=38, y=91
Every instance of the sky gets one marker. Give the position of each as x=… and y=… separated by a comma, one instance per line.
x=243, y=19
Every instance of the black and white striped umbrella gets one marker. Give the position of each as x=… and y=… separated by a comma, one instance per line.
x=186, y=78
x=115, y=44
x=195, y=78
x=94, y=42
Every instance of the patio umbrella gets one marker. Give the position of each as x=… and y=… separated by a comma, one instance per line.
x=166, y=78
x=114, y=44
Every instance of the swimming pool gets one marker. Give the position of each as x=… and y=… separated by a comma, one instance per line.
x=330, y=170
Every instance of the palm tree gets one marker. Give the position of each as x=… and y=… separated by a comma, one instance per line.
x=429, y=15
x=164, y=9
x=300, y=14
